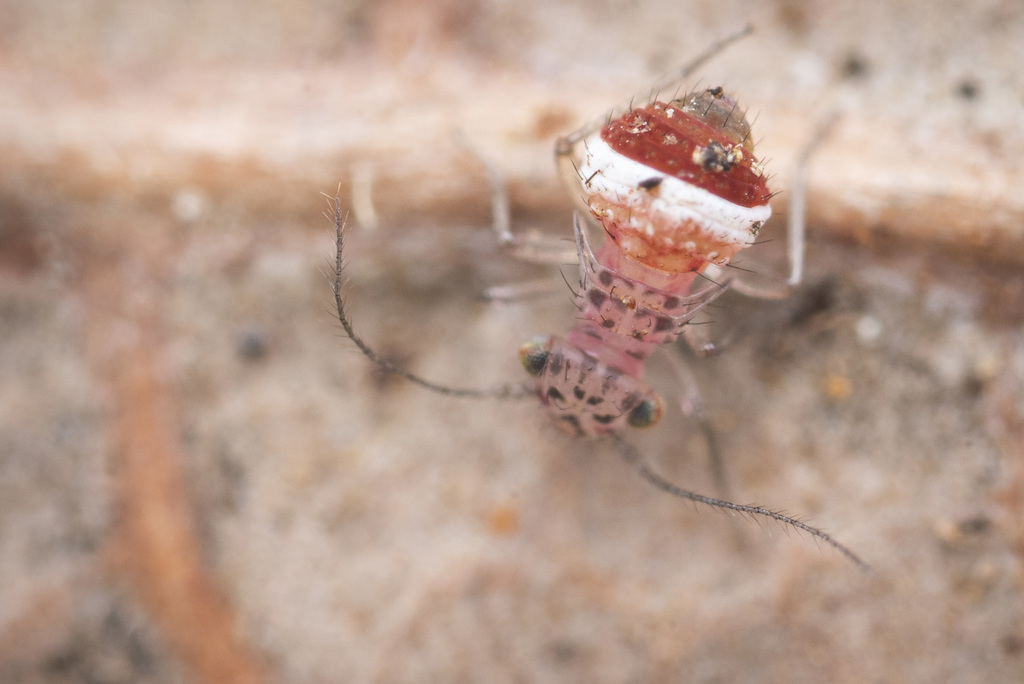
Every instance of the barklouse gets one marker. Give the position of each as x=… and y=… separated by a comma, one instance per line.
x=677, y=190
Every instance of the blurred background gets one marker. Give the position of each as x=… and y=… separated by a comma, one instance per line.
x=202, y=481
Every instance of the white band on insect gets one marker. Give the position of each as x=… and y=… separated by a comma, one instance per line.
x=616, y=179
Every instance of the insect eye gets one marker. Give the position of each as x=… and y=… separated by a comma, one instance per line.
x=534, y=356
x=647, y=413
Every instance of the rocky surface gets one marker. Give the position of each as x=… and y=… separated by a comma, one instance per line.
x=201, y=479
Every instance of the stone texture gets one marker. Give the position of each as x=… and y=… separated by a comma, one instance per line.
x=201, y=479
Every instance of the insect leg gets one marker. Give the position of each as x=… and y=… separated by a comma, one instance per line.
x=796, y=227
x=698, y=338
x=692, y=404
x=362, y=196
x=532, y=246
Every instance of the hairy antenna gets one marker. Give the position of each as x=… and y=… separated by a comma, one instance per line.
x=506, y=391
x=633, y=457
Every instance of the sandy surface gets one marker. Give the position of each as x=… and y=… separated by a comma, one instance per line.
x=201, y=479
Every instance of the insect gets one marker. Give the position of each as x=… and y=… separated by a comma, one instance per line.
x=676, y=188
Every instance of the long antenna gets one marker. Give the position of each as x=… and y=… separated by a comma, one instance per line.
x=506, y=391
x=630, y=454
